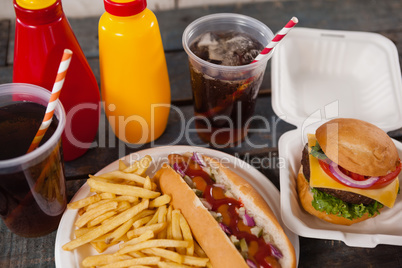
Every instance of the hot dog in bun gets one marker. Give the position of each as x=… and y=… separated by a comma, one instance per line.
x=229, y=219
x=349, y=172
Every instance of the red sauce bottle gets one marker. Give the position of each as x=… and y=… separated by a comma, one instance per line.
x=42, y=32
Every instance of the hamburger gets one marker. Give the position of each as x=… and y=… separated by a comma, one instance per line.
x=349, y=172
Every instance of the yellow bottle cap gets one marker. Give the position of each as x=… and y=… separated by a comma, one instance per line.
x=35, y=4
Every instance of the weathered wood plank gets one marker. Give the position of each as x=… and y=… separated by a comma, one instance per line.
x=4, y=40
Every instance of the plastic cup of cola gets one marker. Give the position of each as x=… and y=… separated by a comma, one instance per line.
x=32, y=185
x=220, y=48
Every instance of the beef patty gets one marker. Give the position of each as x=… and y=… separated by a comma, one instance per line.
x=343, y=195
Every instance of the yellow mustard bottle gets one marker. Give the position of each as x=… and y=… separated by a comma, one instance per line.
x=134, y=78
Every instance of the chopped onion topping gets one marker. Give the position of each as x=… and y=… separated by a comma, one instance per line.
x=222, y=186
x=251, y=264
x=197, y=157
x=275, y=252
x=178, y=170
x=247, y=220
x=225, y=228
x=206, y=204
x=345, y=179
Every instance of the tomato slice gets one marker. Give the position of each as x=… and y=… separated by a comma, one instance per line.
x=382, y=181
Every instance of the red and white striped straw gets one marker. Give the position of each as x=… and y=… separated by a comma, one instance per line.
x=58, y=84
x=278, y=37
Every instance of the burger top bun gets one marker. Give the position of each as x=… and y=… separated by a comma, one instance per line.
x=358, y=146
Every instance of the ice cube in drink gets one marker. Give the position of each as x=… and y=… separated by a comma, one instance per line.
x=224, y=101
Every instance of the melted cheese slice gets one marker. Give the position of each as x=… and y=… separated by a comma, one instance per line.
x=318, y=178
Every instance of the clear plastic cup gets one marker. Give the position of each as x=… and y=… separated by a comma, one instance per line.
x=32, y=186
x=224, y=96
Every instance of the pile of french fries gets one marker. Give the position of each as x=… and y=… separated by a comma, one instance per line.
x=129, y=213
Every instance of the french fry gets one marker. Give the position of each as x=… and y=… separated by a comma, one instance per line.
x=122, y=189
x=123, y=175
x=149, y=234
x=160, y=201
x=101, y=246
x=169, y=234
x=156, y=228
x=135, y=261
x=103, y=259
x=107, y=195
x=123, y=205
x=176, y=230
x=139, y=167
x=144, y=213
x=137, y=254
x=163, y=243
x=195, y=261
x=199, y=251
x=166, y=254
x=96, y=204
x=119, y=232
x=186, y=232
x=81, y=231
x=122, y=165
x=104, y=228
x=154, y=218
x=148, y=183
x=101, y=218
x=172, y=265
x=92, y=214
x=84, y=202
x=131, y=199
x=162, y=218
x=142, y=221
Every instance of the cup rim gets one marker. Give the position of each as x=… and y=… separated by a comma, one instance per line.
x=222, y=16
x=8, y=89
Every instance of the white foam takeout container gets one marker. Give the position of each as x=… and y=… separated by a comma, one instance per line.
x=318, y=75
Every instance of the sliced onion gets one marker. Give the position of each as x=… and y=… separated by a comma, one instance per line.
x=225, y=228
x=275, y=252
x=247, y=220
x=178, y=170
x=222, y=186
x=251, y=264
x=206, y=203
x=345, y=179
x=197, y=157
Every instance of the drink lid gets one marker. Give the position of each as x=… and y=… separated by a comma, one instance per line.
x=124, y=8
x=35, y=4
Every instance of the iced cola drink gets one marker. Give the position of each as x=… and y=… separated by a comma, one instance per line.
x=224, y=82
x=32, y=186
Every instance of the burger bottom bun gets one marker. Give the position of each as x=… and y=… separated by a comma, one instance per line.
x=306, y=198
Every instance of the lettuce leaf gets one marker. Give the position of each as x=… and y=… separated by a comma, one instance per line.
x=317, y=152
x=332, y=205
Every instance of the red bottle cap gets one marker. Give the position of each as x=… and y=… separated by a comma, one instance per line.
x=124, y=8
x=44, y=15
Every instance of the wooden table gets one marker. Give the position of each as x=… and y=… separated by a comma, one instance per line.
x=383, y=17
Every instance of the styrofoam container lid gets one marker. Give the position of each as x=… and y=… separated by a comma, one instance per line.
x=328, y=73
x=318, y=75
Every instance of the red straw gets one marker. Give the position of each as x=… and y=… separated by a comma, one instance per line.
x=58, y=84
x=278, y=37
